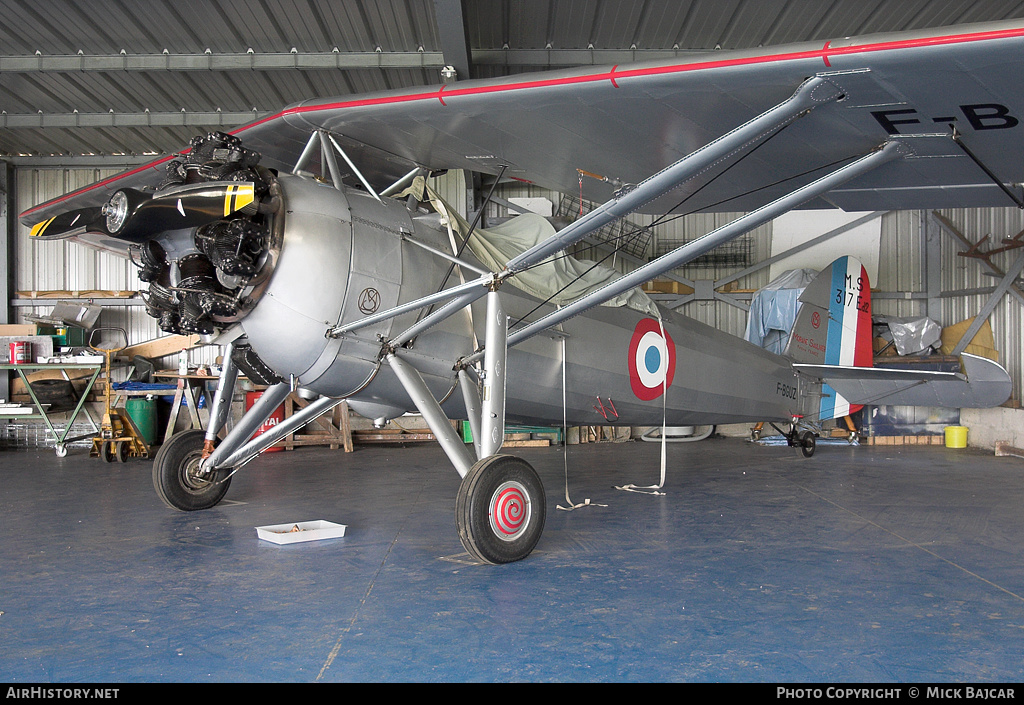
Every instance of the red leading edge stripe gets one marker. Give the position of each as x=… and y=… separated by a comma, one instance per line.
x=612, y=76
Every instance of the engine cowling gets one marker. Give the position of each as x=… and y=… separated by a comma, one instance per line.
x=303, y=257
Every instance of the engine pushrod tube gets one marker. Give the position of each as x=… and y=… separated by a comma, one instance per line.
x=806, y=97
x=681, y=255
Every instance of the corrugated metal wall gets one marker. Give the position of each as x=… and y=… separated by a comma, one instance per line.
x=961, y=273
x=64, y=266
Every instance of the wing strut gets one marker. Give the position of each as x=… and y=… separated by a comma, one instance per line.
x=679, y=256
x=490, y=426
x=988, y=172
x=325, y=140
x=813, y=92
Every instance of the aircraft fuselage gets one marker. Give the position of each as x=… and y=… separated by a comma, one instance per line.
x=344, y=254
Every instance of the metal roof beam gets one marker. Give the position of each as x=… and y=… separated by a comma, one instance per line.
x=82, y=63
x=252, y=61
x=572, y=57
x=451, y=29
x=181, y=118
x=82, y=161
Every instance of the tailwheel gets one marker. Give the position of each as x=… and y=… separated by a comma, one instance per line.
x=500, y=509
x=177, y=477
x=807, y=444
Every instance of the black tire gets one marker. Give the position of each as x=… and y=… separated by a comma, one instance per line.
x=58, y=393
x=175, y=477
x=123, y=451
x=500, y=509
x=107, y=451
x=807, y=444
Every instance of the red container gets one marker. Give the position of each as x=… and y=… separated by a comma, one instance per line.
x=21, y=352
x=274, y=419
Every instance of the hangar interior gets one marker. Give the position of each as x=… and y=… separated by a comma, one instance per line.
x=116, y=587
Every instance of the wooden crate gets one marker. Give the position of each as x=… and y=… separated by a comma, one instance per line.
x=331, y=429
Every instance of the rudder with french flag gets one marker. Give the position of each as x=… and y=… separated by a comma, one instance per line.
x=833, y=327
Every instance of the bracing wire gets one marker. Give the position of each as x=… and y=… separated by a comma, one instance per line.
x=630, y=237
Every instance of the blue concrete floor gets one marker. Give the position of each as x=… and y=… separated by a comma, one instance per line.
x=860, y=564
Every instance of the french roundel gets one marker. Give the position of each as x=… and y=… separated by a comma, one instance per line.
x=652, y=360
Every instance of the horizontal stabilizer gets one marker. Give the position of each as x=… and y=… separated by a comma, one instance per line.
x=981, y=383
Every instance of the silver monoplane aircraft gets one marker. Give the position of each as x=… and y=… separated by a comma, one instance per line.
x=361, y=284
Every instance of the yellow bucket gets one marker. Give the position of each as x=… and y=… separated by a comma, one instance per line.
x=956, y=436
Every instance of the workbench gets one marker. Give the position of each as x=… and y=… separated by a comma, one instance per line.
x=61, y=438
x=188, y=388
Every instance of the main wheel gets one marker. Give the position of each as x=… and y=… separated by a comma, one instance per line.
x=500, y=509
x=123, y=451
x=176, y=475
x=107, y=451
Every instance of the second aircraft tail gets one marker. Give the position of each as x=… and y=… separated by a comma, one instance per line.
x=831, y=344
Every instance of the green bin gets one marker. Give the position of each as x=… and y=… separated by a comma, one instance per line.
x=143, y=414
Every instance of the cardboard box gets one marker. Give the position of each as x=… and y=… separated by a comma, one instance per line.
x=17, y=330
x=983, y=344
x=667, y=286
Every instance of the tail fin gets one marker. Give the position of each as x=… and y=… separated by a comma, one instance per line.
x=834, y=327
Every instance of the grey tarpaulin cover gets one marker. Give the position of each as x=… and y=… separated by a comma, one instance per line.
x=913, y=335
x=773, y=309
x=562, y=279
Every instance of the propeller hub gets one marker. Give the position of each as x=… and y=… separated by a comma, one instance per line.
x=116, y=211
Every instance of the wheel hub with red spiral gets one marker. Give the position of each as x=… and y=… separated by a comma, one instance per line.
x=509, y=511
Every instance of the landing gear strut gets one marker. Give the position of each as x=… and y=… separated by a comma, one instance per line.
x=192, y=470
x=501, y=506
x=798, y=436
